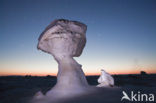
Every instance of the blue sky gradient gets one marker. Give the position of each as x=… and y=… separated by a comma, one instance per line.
x=121, y=35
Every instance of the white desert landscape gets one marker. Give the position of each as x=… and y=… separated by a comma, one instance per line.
x=65, y=39
x=77, y=51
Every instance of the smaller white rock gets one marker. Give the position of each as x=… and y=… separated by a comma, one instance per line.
x=105, y=79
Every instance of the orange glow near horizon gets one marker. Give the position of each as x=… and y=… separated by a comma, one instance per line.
x=54, y=74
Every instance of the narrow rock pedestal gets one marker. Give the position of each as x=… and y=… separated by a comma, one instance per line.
x=64, y=40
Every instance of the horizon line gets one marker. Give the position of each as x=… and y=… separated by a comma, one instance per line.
x=55, y=74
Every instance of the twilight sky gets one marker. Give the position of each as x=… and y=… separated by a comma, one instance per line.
x=121, y=35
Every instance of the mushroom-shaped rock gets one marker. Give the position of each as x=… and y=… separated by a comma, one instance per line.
x=65, y=39
x=105, y=80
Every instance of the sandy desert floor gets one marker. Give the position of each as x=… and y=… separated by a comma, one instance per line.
x=20, y=89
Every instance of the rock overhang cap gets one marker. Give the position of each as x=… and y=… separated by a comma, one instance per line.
x=55, y=22
x=71, y=35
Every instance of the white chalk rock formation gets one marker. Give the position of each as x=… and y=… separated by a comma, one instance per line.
x=64, y=40
x=105, y=80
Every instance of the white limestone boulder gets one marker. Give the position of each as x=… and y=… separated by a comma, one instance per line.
x=65, y=39
x=105, y=80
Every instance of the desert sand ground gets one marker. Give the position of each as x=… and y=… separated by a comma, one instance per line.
x=20, y=89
